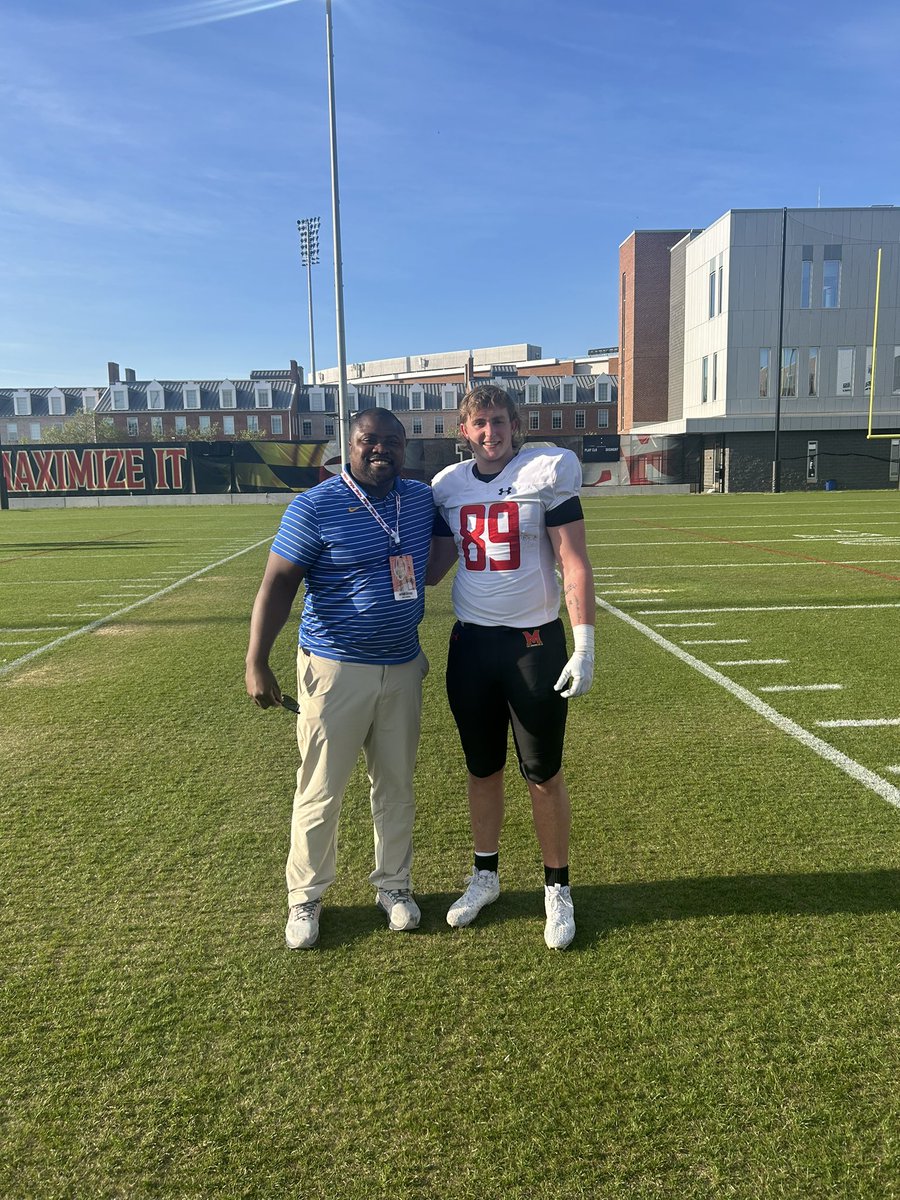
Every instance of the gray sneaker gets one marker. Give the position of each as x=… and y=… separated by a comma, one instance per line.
x=484, y=888
x=560, y=927
x=302, y=929
x=402, y=911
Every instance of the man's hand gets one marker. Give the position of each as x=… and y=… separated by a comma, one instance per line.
x=578, y=672
x=262, y=686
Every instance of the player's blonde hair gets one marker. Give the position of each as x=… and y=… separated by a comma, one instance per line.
x=489, y=395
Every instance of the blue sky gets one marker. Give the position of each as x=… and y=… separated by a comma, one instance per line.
x=493, y=155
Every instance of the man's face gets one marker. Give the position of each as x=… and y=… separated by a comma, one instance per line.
x=489, y=433
x=377, y=448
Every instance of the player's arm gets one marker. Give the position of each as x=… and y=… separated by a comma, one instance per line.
x=569, y=544
x=271, y=610
x=443, y=551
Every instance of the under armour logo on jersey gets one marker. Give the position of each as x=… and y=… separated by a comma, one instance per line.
x=532, y=637
x=504, y=491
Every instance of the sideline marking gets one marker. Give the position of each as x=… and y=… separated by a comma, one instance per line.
x=674, y=612
x=34, y=629
x=684, y=624
x=803, y=687
x=871, y=723
x=881, y=787
x=17, y=662
x=716, y=642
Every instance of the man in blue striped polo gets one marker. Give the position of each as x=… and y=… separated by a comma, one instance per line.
x=360, y=542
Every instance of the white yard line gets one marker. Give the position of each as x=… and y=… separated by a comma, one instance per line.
x=5, y=670
x=30, y=642
x=741, y=608
x=35, y=629
x=716, y=642
x=803, y=687
x=878, y=539
x=870, y=723
x=684, y=624
x=837, y=562
x=881, y=787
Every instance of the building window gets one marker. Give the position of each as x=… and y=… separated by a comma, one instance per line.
x=894, y=468
x=416, y=398
x=277, y=426
x=57, y=403
x=383, y=399
x=227, y=397
x=155, y=399
x=603, y=393
x=181, y=424
x=533, y=393
x=22, y=404
x=602, y=418
x=846, y=357
x=438, y=424
x=205, y=421
x=534, y=420
x=806, y=278
x=449, y=398
x=156, y=427
x=120, y=399
x=306, y=429
x=721, y=285
x=317, y=400
x=867, y=386
x=764, y=358
x=329, y=428
x=789, y=371
x=579, y=420
x=715, y=376
x=228, y=426
x=34, y=430
x=417, y=425
x=896, y=388
x=567, y=393
x=89, y=399
x=831, y=278
x=132, y=426
x=252, y=423
x=263, y=397
x=191, y=394
x=704, y=380
x=712, y=290
x=556, y=420
x=813, y=371
x=12, y=433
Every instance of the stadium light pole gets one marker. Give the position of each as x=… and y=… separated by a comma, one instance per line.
x=336, y=228
x=309, y=256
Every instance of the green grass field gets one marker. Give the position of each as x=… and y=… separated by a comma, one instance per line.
x=726, y=1022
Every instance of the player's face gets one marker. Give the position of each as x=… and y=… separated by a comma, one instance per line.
x=377, y=449
x=489, y=433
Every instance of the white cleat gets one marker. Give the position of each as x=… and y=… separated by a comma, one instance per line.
x=484, y=888
x=302, y=929
x=560, y=927
x=402, y=911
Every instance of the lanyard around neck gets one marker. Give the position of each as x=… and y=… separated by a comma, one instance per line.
x=393, y=534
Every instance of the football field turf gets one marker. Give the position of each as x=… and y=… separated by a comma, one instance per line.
x=726, y=1021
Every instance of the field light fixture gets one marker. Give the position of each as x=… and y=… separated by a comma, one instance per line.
x=309, y=255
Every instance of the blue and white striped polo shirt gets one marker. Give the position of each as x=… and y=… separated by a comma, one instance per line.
x=349, y=612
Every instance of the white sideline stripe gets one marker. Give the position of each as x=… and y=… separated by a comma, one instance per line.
x=716, y=642
x=675, y=612
x=5, y=670
x=803, y=687
x=881, y=787
x=30, y=642
x=752, y=662
x=683, y=624
x=837, y=562
x=797, y=541
x=35, y=629
x=872, y=723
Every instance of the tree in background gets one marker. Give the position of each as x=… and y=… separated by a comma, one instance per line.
x=82, y=427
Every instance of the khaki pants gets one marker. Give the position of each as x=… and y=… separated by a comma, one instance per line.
x=345, y=708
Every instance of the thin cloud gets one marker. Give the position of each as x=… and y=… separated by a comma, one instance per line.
x=203, y=12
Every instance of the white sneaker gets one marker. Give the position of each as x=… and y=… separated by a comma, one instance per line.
x=302, y=929
x=560, y=927
x=402, y=911
x=484, y=888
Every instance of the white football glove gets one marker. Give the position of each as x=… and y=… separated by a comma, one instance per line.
x=578, y=672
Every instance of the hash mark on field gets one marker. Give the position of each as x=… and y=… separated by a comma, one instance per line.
x=716, y=642
x=870, y=723
x=803, y=687
x=120, y=612
x=30, y=642
x=752, y=662
x=683, y=624
x=869, y=779
x=35, y=629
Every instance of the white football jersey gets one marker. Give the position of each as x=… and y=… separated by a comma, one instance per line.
x=507, y=570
